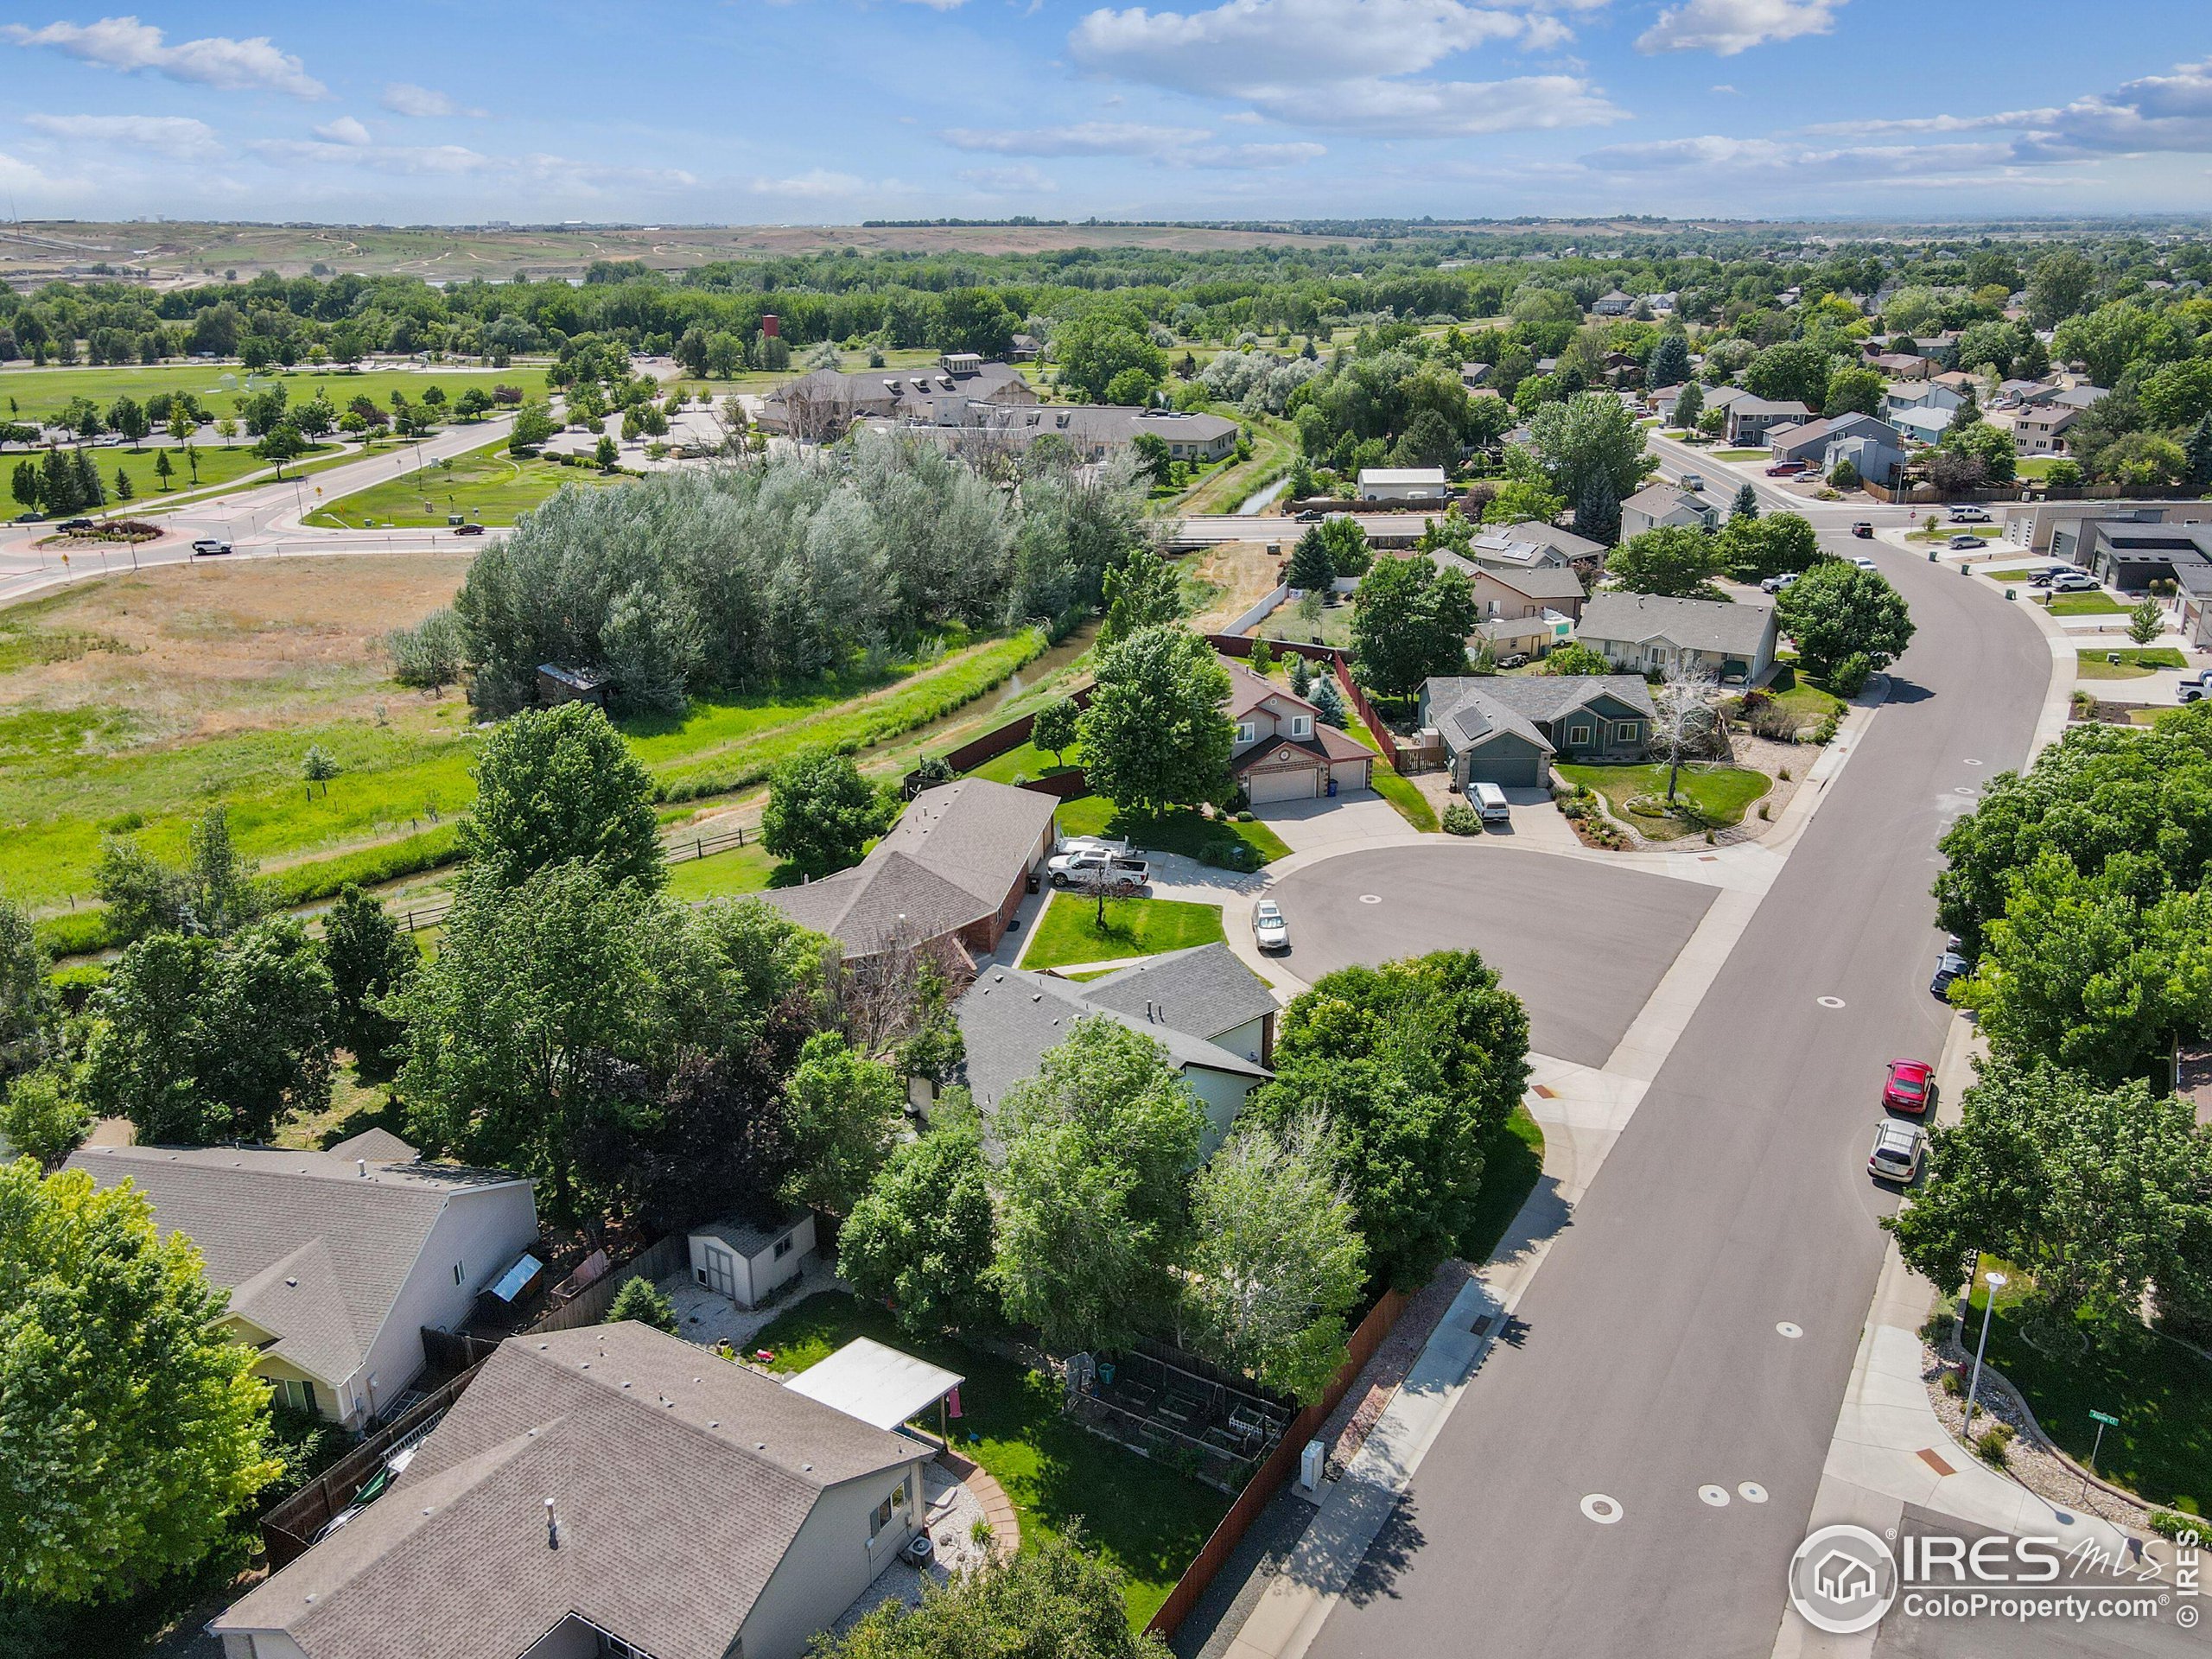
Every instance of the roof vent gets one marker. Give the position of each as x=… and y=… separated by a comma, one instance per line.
x=552, y=1527
x=363, y=1164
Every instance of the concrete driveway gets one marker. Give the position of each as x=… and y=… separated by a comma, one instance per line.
x=1358, y=818
x=1582, y=943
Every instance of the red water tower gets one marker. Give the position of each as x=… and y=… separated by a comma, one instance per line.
x=770, y=324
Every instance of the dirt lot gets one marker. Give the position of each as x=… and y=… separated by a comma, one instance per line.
x=1239, y=572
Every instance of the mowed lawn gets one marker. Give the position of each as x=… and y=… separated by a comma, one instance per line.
x=487, y=486
x=1143, y=1516
x=1189, y=833
x=2136, y=662
x=1068, y=933
x=42, y=394
x=218, y=464
x=2096, y=604
x=1720, y=794
x=731, y=873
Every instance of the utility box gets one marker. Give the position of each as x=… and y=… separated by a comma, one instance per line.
x=1311, y=1463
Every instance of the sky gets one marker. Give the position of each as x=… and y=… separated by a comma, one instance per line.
x=828, y=112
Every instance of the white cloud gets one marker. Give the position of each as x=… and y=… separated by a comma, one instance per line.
x=344, y=130
x=939, y=5
x=2169, y=113
x=1081, y=138
x=414, y=159
x=1348, y=64
x=823, y=184
x=124, y=43
x=1021, y=179
x=405, y=97
x=1727, y=26
x=169, y=134
x=1251, y=157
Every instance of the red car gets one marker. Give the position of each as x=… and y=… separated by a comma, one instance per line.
x=1911, y=1087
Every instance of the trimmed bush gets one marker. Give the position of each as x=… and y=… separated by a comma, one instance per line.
x=1460, y=819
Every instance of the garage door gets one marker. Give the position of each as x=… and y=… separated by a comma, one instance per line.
x=1506, y=771
x=1297, y=785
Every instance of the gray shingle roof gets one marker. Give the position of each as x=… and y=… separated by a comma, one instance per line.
x=1696, y=624
x=1529, y=581
x=949, y=861
x=1469, y=709
x=1009, y=1017
x=1204, y=990
x=377, y=1146
x=1543, y=535
x=678, y=1481
x=749, y=1238
x=1660, y=499
x=312, y=1250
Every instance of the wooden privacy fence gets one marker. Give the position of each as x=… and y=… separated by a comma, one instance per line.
x=1281, y=1465
x=1000, y=739
x=1340, y=665
x=588, y=1305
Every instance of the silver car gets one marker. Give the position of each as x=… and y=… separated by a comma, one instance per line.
x=1270, y=931
x=1899, y=1149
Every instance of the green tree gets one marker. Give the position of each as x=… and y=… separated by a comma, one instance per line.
x=23, y=484
x=1276, y=1262
x=28, y=1011
x=1521, y=500
x=1795, y=371
x=1855, y=392
x=1410, y=620
x=1999, y=456
x=821, y=813
x=605, y=454
x=1672, y=561
x=1053, y=1600
x=1153, y=457
x=558, y=784
x=1597, y=511
x=217, y=890
x=1093, y=1187
x=2196, y=456
x=2145, y=621
x=641, y=1299
x=1142, y=592
x=128, y=417
x=1100, y=347
x=1689, y=407
x=1836, y=610
x=135, y=1423
x=1054, y=728
x=1669, y=363
x=1155, y=734
x=922, y=1236
x=1751, y=549
x=163, y=468
x=1745, y=505
x=2058, y=286
x=369, y=959
x=199, y=1040
x=1576, y=658
x=124, y=489
x=1329, y=701
x=280, y=443
x=2100, y=1194
x=1591, y=434
x=318, y=765
x=534, y=425
x=40, y=1116
x=1310, y=568
x=847, y=1111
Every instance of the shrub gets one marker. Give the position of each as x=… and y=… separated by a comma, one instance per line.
x=2175, y=1524
x=1989, y=1444
x=1850, y=677
x=1825, y=731
x=641, y=1299
x=1460, y=819
x=1955, y=1382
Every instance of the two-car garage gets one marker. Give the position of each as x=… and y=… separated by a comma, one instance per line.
x=1289, y=770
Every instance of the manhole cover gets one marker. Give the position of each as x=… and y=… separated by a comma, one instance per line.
x=1716, y=1495
x=1751, y=1492
x=1370, y=898
x=1970, y=763
x=1792, y=1331
x=1830, y=1002
x=1602, y=1510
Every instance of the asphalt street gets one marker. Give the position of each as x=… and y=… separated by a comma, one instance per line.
x=1647, y=1362
x=1582, y=944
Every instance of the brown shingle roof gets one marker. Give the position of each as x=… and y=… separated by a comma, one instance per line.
x=678, y=1481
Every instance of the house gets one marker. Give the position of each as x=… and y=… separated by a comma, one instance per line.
x=1868, y=441
x=746, y=1261
x=949, y=873
x=334, y=1265
x=2129, y=554
x=1927, y=394
x=1660, y=506
x=1750, y=419
x=2056, y=527
x=605, y=1491
x=1660, y=401
x=2193, y=610
x=824, y=402
x=1404, y=484
x=1512, y=594
x=1902, y=366
x=1093, y=431
x=1640, y=631
x=1209, y=1012
x=1612, y=304
x=1472, y=375
x=1028, y=348
x=2040, y=429
x=1526, y=542
x=1508, y=730
x=557, y=683
x=1922, y=422
x=1283, y=750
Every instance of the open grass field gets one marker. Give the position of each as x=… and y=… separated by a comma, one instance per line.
x=487, y=486
x=133, y=704
x=1721, y=794
x=34, y=394
x=1143, y=1516
x=215, y=464
x=2136, y=662
x=1068, y=933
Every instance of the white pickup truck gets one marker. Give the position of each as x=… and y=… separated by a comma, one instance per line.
x=2194, y=687
x=1120, y=873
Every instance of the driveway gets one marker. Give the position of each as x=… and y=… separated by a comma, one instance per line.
x=1359, y=818
x=1582, y=943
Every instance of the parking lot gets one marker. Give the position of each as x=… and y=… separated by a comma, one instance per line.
x=1582, y=943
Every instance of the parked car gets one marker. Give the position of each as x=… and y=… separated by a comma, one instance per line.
x=469, y=530
x=2047, y=574
x=1863, y=531
x=1785, y=469
x=1967, y=541
x=2195, y=687
x=1969, y=515
x=1490, y=804
x=1270, y=931
x=27, y=517
x=1105, y=844
x=1949, y=966
x=208, y=547
x=1119, y=874
x=1910, y=1087
x=1776, y=584
x=1899, y=1149
x=1865, y=563
x=2074, y=581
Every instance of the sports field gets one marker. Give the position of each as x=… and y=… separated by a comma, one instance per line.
x=487, y=485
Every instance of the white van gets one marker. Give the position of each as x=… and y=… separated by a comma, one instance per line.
x=1488, y=801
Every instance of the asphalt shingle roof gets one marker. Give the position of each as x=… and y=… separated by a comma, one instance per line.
x=678, y=1481
x=1694, y=624
x=1204, y=990
x=1470, y=709
x=312, y=1250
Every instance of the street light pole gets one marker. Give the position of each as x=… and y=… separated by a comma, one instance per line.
x=1996, y=1282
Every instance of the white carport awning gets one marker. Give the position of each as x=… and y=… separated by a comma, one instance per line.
x=877, y=1384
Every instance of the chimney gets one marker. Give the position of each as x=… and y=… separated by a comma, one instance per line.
x=552, y=1527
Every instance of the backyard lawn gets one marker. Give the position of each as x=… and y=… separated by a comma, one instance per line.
x=2136, y=662
x=1028, y=761
x=719, y=876
x=1067, y=929
x=2160, y=1391
x=1720, y=794
x=2097, y=604
x=1740, y=454
x=1142, y=1516
x=1181, y=830
x=486, y=485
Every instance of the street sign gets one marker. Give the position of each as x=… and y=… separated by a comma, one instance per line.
x=2110, y=1422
